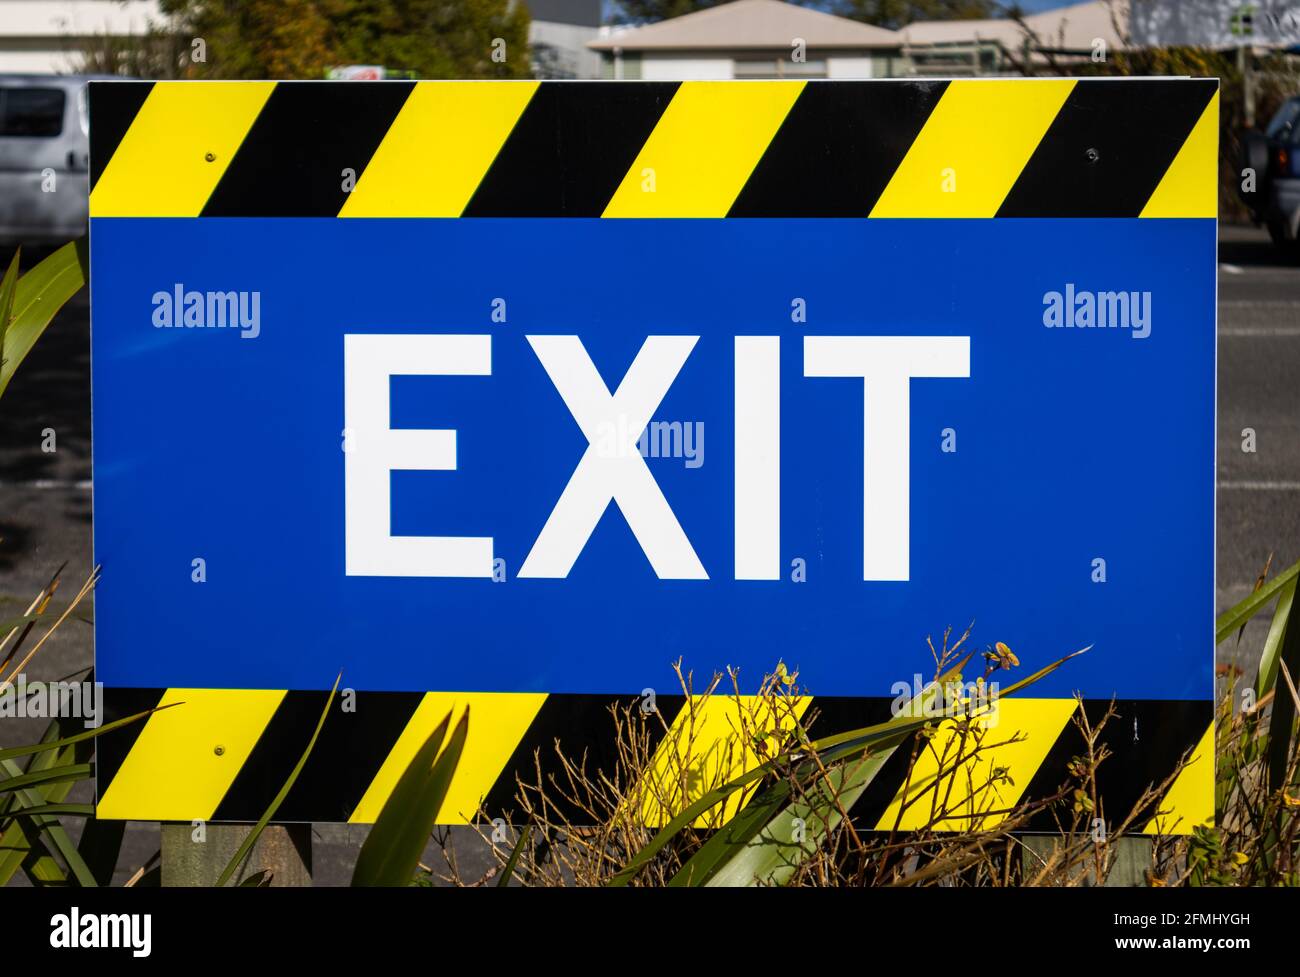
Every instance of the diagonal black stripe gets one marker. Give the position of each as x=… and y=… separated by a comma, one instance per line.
x=570, y=150
x=840, y=714
x=113, y=107
x=581, y=724
x=1108, y=148
x=292, y=162
x=1146, y=739
x=111, y=748
x=1053, y=773
x=351, y=749
x=837, y=149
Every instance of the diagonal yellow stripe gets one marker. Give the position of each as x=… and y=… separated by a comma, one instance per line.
x=703, y=149
x=497, y=722
x=963, y=791
x=1190, y=187
x=711, y=742
x=161, y=167
x=1190, y=800
x=438, y=148
x=976, y=142
x=187, y=757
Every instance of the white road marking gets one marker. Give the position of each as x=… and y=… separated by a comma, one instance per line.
x=1260, y=486
x=51, y=484
x=1256, y=319
x=1231, y=269
x=1258, y=303
x=1232, y=332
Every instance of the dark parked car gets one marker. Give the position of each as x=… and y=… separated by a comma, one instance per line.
x=1274, y=156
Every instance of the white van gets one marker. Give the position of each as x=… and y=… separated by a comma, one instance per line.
x=44, y=158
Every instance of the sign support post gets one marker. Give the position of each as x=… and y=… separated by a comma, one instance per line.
x=283, y=851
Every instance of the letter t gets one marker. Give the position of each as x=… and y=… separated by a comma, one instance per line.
x=886, y=365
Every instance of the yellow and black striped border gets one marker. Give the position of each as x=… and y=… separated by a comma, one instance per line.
x=1056, y=147
x=224, y=754
x=987, y=148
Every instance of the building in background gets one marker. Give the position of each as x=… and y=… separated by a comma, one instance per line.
x=46, y=36
x=1061, y=37
x=750, y=39
x=559, y=34
x=1217, y=23
x=754, y=39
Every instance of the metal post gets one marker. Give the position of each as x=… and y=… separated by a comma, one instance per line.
x=283, y=850
x=1132, y=856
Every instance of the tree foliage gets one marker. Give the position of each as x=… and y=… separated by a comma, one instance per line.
x=282, y=39
x=899, y=13
x=883, y=13
x=649, y=11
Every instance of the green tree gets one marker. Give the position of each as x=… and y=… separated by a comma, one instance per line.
x=282, y=39
x=435, y=38
x=647, y=11
x=899, y=13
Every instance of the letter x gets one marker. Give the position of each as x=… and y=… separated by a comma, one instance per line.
x=623, y=477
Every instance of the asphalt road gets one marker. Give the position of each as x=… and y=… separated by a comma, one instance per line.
x=45, y=514
x=1258, y=510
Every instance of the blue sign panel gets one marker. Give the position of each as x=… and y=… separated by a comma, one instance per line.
x=547, y=410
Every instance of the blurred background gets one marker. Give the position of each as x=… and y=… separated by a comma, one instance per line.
x=49, y=48
x=1253, y=47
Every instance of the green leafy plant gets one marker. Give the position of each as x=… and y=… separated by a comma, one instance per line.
x=1256, y=837
x=790, y=820
x=37, y=779
x=391, y=853
x=805, y=782
x=29, y=302
x=585, y=829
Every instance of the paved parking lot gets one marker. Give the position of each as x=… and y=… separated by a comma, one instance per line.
x=1259, y=356
x=45, y=513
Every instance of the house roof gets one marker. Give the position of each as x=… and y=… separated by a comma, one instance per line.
x=750, y=24
x=1074, y=27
